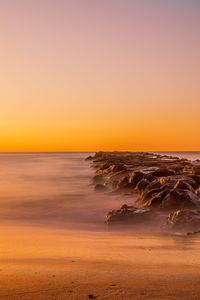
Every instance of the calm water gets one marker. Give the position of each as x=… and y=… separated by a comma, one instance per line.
x=54, y=189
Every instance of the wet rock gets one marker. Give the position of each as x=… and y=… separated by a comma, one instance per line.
x=100, y=188
x=183, y=185
x=196, y=170
x=98, y=179
x=196, y=179
x=123, y=183
x=163, y=191
x=153, y=188
x=128, y=214
x=135, y=178
x=142, y=184
x=162, y=182
x=156, y=199
x=163, y=172
x=184, y=218
x=89, y=158
x=117, y=168
x=177, y=199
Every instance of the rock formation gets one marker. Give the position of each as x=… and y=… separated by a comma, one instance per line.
x=162, y=183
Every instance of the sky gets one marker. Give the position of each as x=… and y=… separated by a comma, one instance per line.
x=89, y=75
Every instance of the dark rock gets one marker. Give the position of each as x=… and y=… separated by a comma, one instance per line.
x=89, y=158
x=154, y=187
x=196, y=179
x=196, y=170
x=123, y=183
x=183, y=185
x=100, y=188
x=117, y=168
x=128, y=214
x=156, y=192
x=162, y=182
x=184, y=218
x=135, y=178
x=98, y=179
x=163, y=172
x=157, y=198
x=142, y=184
x=172, y=180
x=91, y=296
x=149, y=177
x=178, y=199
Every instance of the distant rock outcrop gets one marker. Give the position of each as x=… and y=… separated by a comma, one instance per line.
x=163, y=183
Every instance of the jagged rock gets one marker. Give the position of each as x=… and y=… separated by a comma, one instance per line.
x=156, y=199
x=142, y=184
x=156, y=192
x=163, y=172
x=117, y=168
x=178, y=198
x=184, y=218
x=128, y=214
x=123, y=183
x=135, y=178
x=162, y=182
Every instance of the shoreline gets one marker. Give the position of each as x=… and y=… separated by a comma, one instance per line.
x=60, y=265
x=44, y=262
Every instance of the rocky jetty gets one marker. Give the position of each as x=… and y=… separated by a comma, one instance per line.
x=162, y=183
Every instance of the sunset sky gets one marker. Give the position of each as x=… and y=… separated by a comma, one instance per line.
x=87, y=75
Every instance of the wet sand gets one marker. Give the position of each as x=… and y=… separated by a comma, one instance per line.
x=46, y=263
x=54, y=243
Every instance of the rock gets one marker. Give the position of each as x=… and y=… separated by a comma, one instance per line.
x=156, y=199
x=142, y=184
x=100, y=188
x=184, y=218
x=196, y=170
x=91, y=296
x=128, y=214
x=162, y=182
x=160, y=192
x=89, y=158
x=163, y=172
x=98, y=179
x=117, y=168
x=123, y=183
x=135, y=178
x=153, y=188
x=172, y=180
x=177, y=199
x=183, y=185
x=196, y=179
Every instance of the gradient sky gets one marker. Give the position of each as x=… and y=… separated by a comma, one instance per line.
x=83, y=75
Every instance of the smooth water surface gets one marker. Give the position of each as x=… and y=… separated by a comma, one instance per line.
x=54, y=189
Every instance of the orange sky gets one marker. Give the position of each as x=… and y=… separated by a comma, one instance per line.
x=99, y=75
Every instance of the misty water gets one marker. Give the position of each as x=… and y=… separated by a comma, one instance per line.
x=54, y=189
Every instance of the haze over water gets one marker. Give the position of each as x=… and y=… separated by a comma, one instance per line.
x=54, y=189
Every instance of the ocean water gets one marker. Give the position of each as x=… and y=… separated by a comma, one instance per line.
x=54, y=189
x=191, y=155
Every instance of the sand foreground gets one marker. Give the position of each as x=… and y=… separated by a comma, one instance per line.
x=44, y=263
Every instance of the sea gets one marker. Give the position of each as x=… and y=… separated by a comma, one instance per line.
x=55, y=190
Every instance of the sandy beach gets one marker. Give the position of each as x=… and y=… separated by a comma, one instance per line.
x=55, y=244
x=58, y=264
